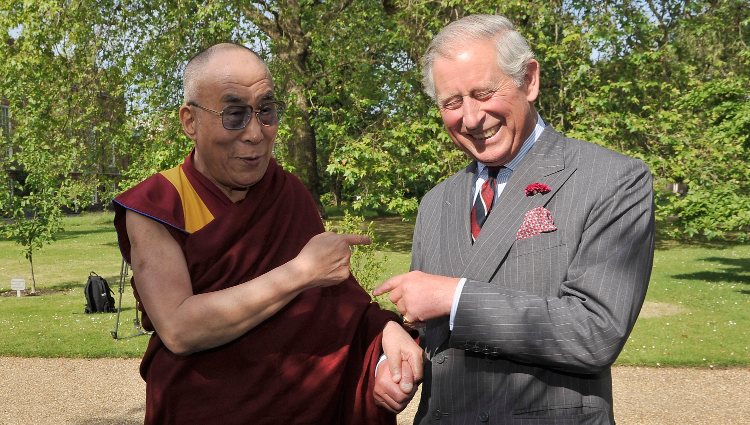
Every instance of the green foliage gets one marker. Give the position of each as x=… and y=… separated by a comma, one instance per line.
x=31, y=221
x=66, y=103
x=94, y=87
x=366, y=263
x=669, y=86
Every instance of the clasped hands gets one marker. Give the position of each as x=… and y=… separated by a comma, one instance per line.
x=418, y=297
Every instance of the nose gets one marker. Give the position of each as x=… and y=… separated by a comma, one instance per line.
x=472, y=113
x=253, y=131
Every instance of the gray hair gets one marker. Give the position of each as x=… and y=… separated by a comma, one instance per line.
x=513, y=52
x=195, y=67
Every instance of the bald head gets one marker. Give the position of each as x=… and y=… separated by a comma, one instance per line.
x=199, y=65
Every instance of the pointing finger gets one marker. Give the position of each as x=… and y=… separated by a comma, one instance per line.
x=352, y=239
x=387, y=286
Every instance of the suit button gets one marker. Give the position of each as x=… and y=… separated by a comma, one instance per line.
x=484, y=417
x=440, y=358
x=436, y=415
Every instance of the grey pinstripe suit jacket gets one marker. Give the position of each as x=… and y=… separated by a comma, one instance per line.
x=540, y=320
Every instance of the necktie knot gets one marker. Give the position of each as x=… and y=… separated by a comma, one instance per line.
x=493, y=171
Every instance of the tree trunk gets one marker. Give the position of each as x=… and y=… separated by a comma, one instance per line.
x=33, y=280
x=302, y=147
x=282, y=21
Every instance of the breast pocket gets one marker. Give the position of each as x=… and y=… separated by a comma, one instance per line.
x=537, y=264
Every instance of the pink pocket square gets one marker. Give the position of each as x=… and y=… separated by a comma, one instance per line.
x=536, y=221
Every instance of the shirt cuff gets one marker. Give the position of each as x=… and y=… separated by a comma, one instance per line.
x=380, y=360
x=456, y=297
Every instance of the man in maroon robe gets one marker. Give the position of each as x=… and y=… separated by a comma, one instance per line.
x=256, y=316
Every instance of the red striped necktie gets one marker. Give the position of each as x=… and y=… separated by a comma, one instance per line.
x=483, y=202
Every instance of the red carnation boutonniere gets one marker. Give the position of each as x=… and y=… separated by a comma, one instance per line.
x=535, y=188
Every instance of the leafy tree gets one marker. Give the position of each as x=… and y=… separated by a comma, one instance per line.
x=31, y=221
x=666, y=87
x=65, y=101
x=95, y=86
x=66, y=110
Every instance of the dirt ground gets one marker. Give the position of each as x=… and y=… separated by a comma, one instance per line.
x=110, y=392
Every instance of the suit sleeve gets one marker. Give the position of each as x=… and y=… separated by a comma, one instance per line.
x=584, y=328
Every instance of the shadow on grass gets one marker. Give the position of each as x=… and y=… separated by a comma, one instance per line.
x=113, y=282
x=734, y=270
x=665, y=242
x=394, y=231
x=70, y=285
x=72, y=234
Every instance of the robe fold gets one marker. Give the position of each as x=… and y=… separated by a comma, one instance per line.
x=311, y=363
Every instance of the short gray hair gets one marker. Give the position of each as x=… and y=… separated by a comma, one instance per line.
x=195, y=67
x=513, y=52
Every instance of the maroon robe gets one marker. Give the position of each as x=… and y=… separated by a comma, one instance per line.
x=310, y=363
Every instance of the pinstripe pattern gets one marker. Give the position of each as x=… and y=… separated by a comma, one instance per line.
x=540, y=320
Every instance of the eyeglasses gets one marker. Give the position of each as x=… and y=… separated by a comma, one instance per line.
x=236, y=117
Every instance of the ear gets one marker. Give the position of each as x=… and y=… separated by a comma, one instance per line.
x=188, y=120
x=531, y=80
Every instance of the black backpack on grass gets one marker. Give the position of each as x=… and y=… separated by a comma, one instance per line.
x=98, y=295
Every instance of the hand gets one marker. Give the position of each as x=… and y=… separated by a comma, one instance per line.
x=420, y=296
x=388, y=394
x=396, y=384
x=324, y=260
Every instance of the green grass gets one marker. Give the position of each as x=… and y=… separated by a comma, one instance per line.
x=710, y=286
x=705, y=287
x=53, y=324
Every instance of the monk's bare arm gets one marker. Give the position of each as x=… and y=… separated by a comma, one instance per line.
x=188, y=322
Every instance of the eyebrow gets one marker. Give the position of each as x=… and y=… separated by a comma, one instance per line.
x=442, y=101
x=233, y=98
x=490, y=88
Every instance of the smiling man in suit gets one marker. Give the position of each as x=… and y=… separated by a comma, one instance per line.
x=530, y=266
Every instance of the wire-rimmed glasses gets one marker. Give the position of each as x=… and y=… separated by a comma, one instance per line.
x=236, y=117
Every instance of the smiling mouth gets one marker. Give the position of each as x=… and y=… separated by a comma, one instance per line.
x=486, y=134
x=249, y=158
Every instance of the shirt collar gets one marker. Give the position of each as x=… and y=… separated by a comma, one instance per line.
x=527, y=145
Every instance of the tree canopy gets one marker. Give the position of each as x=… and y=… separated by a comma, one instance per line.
x=93, y=89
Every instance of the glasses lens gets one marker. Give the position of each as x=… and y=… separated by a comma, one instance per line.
x=235, y=117
x=268, y=114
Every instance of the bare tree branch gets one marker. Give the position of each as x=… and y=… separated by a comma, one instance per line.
x=256, y=13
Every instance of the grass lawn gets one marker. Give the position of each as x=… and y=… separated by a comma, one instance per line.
x=701, y=295
x=53, y=324
x=697, y=312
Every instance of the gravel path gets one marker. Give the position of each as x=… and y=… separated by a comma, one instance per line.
x=110, y=392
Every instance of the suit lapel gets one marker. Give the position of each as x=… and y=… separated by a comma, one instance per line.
x=544, y=163
x=455, y=232
x=455, y=243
